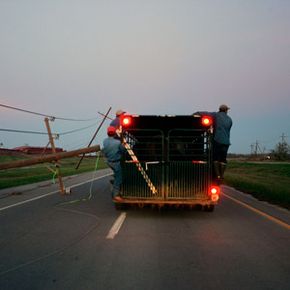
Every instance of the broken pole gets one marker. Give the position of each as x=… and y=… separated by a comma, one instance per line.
x=48, y=158
x=79, y=163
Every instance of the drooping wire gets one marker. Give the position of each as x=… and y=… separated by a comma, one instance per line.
x=77, y=130
x=45, y=133
x=23, y=131
x=45, y=115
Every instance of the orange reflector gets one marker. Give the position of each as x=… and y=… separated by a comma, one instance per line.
x=215, y=197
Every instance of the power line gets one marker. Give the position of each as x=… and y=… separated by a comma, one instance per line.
x=23, y=131
x=45, y=115
x=45, y=133
x=77, y=130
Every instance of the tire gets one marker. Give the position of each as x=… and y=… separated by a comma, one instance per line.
x=209, y=208
x=120, y=206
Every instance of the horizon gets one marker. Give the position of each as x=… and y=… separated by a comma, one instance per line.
x=76, y=58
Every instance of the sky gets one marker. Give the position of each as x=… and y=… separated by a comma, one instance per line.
x=75, y=58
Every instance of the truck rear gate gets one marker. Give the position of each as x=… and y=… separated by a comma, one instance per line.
x=176, y=154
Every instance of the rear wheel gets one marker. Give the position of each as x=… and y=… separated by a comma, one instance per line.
x=120, y=206
x=209, y=208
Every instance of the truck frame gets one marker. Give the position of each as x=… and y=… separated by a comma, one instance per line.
x=168, y=161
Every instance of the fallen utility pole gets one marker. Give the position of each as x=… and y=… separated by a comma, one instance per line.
x=94, y=136
x=107, y=117
x=51, y=141
x=48, y=158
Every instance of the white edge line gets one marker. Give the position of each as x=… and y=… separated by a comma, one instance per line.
x=51, y=193
x=116, y=226
x=93, y=179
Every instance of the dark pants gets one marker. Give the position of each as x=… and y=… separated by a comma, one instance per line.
x=220, y=152
x=116, y=167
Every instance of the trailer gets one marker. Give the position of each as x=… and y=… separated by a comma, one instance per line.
x=168, y=161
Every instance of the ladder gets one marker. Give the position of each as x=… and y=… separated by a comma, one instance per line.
x=137, y=163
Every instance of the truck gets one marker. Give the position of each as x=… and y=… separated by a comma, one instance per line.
x=168, y=161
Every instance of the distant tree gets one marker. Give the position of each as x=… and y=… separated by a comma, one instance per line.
x=281, y=151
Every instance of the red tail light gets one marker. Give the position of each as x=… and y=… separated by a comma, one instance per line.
x=206, y=121
x=126, y=121
x=214, y=192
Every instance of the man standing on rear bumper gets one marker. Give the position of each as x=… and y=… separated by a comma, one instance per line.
x=222, y=127
x=113, y=151
x=221, y=143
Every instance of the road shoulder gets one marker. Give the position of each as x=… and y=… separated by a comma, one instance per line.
x=275, y=211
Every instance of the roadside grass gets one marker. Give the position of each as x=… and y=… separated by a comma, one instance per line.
x=40, y=172
x=266, y=181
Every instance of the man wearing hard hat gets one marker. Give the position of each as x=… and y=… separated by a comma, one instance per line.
x=116, y=122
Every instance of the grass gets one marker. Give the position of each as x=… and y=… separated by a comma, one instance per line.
x=266, y=181
x=40, y=172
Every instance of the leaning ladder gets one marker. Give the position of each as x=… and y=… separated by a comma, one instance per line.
x=138, y=164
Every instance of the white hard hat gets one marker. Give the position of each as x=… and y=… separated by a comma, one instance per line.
x=120, y=112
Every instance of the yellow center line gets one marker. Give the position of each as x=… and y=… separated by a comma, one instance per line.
x=273, y=219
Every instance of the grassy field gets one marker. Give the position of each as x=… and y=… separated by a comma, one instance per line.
x=266, y=181
x=40, y=172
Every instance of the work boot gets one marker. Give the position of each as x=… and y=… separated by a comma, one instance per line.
x=217, y=169
x=118, y=198
x=222, y=169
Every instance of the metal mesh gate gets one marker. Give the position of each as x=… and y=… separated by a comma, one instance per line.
x=148, y=146
x=178, y=162
x=189, y=169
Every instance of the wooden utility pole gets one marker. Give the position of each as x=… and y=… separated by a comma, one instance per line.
x=48, y=158
x=51, y=141
x=105, y=116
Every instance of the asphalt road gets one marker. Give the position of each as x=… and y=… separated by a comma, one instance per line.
x=62, y=242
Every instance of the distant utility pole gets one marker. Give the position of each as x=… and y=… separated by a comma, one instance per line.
x=252, y=149
x=283, y=138
x=257, y=147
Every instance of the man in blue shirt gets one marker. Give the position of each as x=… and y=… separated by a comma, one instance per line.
x=113, y=151
x=221, y=143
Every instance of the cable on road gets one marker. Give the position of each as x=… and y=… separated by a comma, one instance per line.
x=91, y=185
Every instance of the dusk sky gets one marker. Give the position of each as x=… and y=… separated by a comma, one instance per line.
x=73, y=58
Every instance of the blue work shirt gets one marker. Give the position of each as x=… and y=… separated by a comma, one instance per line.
x=116, y=122
x=113, y=149
x=222, y=126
